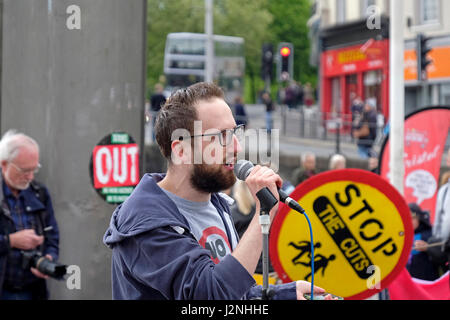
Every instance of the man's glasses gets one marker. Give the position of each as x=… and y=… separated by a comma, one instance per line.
x=225, y=136
x=26, y=171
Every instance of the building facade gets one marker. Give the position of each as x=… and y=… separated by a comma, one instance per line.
x=351, y=39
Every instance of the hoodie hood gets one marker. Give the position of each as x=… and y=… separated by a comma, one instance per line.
x=147, y=208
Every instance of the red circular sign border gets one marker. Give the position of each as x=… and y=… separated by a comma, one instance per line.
x=356, y=175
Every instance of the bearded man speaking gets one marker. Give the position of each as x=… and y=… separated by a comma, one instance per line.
x=174, y=238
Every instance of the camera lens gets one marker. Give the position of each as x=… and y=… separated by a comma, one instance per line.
x=50, y=268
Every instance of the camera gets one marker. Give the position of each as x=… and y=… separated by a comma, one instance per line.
x=35, y=259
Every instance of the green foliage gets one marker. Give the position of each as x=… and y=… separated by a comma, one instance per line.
x=164, y=17
x=249, y=20
x=257, y=21
x=289, y=25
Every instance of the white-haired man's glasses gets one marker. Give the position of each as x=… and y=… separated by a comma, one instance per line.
x=26, y=171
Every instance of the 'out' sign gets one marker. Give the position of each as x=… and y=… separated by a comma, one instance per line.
x=115, y=167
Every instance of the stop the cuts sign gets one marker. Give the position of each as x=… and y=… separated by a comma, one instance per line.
x=362, y=234
x=115, y=167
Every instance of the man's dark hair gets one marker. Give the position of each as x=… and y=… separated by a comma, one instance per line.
x=179, y=112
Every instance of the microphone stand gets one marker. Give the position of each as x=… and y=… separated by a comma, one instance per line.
x=267, y=201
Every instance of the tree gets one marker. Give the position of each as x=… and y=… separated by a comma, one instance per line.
x=164, y=17
x=289, y=25
x=247, y=19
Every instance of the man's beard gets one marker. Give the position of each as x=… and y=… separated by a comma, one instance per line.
x=210, y=179
x=19, y=186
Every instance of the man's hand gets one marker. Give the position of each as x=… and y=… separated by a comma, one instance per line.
x=39, y=274
x=261, y=177
x=304, y=287
x=420, y=245
x=25, y=239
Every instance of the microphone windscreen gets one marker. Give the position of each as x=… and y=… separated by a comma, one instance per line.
x=242, y=169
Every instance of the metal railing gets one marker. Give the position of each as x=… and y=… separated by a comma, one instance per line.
x=314, y=124
x=306, y=123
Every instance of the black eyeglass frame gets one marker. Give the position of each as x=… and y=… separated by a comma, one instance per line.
x=220, y=134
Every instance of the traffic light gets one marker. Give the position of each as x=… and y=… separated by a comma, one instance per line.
x=267, y=61
x=422, y=60
x=285, y=61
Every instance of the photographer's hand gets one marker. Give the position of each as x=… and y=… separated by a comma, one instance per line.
x=25, y=239
x=39, y=274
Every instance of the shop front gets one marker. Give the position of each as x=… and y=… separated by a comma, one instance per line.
x=354, y=63
x=355, y=71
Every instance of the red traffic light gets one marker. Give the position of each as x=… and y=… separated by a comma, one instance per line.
x=285, y=51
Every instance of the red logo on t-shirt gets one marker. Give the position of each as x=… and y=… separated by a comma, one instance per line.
x=214, y=239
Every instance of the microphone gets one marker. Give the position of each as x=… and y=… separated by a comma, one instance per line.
x=242, y=169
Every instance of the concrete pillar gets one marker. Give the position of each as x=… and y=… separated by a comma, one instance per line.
x=69, y=82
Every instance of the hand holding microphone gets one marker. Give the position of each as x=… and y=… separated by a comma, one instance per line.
x=262, y=182
x=244, y=168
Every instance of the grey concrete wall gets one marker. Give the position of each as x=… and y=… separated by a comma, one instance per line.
x=68, y=89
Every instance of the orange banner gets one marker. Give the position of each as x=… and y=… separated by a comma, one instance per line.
x=439, y=68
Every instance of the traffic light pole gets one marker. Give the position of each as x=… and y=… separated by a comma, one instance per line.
x=422, y=50
x=424, y=93
x=266, y=65
x=209, y=67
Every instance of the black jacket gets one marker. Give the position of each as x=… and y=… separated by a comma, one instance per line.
x=37, y=199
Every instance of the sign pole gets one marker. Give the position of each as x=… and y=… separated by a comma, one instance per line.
x=397, y=96
x=209, y=67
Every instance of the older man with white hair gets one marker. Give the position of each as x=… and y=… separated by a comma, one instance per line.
x=337, y=161
x=307, y=169
x=27, y=220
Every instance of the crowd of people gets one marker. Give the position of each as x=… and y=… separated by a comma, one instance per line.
x=365, y=119
x=296, y=96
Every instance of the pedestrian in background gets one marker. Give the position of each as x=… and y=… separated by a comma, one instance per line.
x=337, y=161
x=441, y=227
x=267, y=100
x=26, y=210
x=239, y=111
x=308, y=93
x=299, y=95
x=243, y=208
x=306, y=170
x=366, y=129
x=373, y=162
x=157, y=100
x=356, y=109
x=290, y=98
x=419, y=264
